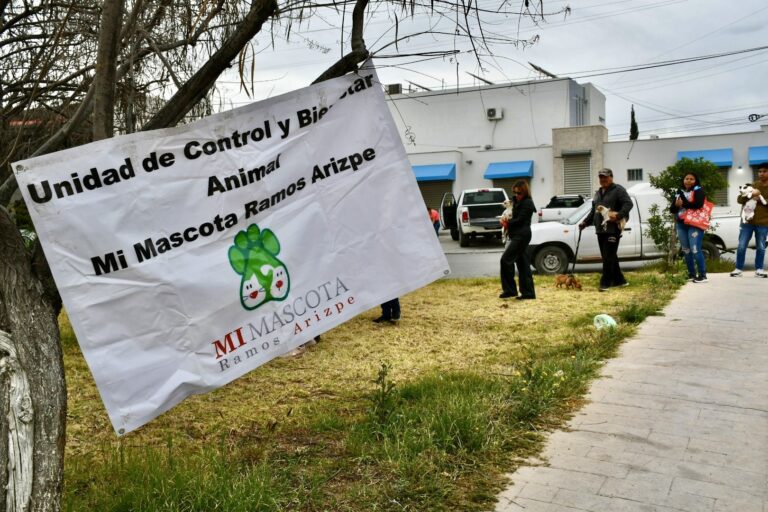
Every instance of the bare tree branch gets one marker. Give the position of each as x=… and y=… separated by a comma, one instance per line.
x=197, y=86
x=359, y=53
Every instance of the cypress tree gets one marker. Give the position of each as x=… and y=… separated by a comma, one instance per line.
x=633, y=131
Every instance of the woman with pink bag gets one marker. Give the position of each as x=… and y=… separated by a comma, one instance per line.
x=690, y=197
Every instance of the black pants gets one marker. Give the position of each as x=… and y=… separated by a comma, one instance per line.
x=515, y=254
x=391, y=309
x=609, y=247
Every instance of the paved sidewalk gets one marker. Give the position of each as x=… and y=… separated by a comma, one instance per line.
x=679, y=421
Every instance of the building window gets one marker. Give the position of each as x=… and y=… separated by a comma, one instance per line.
x=634, y=175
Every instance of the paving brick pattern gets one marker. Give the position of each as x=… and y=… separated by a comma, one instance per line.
x=677, y=422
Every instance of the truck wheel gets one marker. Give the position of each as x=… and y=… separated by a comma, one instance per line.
x=463, y=239
x=454, y=234
x=551, y=260
x=710, y=250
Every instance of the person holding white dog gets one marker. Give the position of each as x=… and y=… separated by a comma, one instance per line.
x=519, y=233
x=757, y=225
x=690, y=197
x=615, y=198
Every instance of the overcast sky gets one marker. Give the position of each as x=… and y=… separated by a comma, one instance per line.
x=696, y=98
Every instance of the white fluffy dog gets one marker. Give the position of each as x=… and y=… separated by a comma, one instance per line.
x=605, y=212
x=506, y=216
x=749, y=207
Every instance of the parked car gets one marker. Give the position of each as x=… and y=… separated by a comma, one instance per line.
x=476, y=213
x=553, y=244
x=560, y=207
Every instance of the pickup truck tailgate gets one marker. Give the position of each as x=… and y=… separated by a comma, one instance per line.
x=486, y=216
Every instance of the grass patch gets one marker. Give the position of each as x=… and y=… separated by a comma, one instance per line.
x=468, y=384
x=720, y=266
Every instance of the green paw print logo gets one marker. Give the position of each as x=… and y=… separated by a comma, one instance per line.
x=254, y=258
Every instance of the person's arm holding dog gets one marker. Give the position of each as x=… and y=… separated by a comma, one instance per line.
x=522, y=213
x=682, y=202
x=622, y=205
x=742, y=198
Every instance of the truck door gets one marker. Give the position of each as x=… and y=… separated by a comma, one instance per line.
x=630, y=245
x=588, y=250
x=448, y=212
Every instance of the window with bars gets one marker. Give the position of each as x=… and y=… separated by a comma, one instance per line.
x=634, y=175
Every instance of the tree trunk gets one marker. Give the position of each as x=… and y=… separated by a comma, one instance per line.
x=672, y=252
x=33, y=335
x=106, y=69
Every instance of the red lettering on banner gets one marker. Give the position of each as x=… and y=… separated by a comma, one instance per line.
x=228, y=344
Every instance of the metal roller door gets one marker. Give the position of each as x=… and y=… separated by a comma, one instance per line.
x=577, y=175
x=720, y=198
x=433, y=191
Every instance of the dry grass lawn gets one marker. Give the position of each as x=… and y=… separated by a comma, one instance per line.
x=450, y=326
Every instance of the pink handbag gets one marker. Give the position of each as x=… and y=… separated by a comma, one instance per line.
x=699, y=218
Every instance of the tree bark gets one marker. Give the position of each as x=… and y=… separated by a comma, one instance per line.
x=17, y=408
x=33, y=332
x=106, y=69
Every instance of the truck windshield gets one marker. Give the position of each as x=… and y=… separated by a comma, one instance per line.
x=579, y=214
x=484, y=197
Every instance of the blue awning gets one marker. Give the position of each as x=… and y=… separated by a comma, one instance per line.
x=436, y=172
x=521, y=169
x=758, y=155
x=719, y=157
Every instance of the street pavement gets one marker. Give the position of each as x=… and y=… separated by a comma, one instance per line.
x=481, y=258
x=677, y=422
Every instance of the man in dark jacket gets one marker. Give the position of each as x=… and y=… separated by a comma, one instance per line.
x=615, y=198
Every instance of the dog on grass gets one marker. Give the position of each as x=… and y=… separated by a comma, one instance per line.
x=605, y=212
x=506, y=216
x=749, y=207
x=569, y=280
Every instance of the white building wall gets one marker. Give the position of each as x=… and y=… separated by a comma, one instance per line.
x=595, y=105
x=436, y=121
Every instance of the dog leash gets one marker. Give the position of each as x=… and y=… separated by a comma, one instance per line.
x=578, y=243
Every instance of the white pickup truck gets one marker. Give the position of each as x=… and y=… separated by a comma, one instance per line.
x=476, y=213
x=560, y=207
x=553, y=244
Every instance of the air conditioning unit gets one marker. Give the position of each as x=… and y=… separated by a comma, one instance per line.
x=494, y=114
x=394, y=89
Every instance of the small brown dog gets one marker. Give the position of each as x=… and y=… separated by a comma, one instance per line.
x=568, y=280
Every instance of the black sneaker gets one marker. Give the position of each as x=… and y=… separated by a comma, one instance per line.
x=506, y=295
x=382, y=319
x=701, y=279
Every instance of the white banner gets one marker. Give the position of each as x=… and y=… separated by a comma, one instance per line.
x=189, y=256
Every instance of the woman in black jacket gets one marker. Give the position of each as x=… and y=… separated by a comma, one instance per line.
x=519, y=229
x=690, y=196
